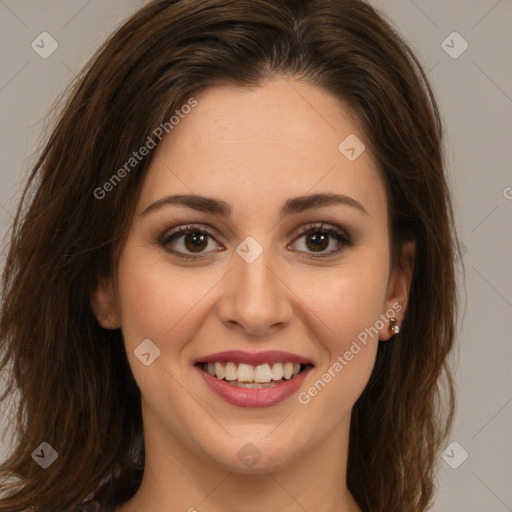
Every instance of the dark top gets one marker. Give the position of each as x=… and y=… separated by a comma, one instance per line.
x=90, y=506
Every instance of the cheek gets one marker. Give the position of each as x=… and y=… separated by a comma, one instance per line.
x=346, y=325
x=156, y=300
x=346, y=302
x=345, y=319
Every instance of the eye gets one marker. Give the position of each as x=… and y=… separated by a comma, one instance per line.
x=317, y=239
x=194, y=240
x=191, y=241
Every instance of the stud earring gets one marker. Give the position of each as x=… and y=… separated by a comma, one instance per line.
x=393, y=325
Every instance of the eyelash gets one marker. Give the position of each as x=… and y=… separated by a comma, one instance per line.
x=341, y=237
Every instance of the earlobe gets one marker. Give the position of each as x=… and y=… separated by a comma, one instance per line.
x=104, y=305
x=398, y=291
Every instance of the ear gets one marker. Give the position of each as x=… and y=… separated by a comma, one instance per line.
x=397, y=294
x=104, y=305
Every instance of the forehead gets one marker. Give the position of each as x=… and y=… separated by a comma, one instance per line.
x=262, y=145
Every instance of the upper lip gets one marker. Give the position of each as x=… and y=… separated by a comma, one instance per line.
x=253, y=358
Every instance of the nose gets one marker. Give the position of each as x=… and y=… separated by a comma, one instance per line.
x=255, y=298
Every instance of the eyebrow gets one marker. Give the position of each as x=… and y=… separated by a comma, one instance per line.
x=218, y=207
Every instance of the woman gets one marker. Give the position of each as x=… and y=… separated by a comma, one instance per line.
x=233, y=284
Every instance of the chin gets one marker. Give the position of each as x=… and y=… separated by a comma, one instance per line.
x=254, y=455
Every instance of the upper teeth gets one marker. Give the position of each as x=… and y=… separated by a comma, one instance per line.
x=249, y=373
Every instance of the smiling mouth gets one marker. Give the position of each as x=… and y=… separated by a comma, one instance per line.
x=249, y=376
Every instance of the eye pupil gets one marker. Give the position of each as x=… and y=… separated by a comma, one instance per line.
x=194, y=241
x=320, y=241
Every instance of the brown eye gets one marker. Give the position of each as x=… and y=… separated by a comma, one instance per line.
x=318, y=239
x=187, y=240
x=195, y=241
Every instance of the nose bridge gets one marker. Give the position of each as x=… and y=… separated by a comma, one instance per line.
x=255, y=299
x=256, y=278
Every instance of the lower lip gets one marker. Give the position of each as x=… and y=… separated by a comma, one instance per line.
x=255, y=397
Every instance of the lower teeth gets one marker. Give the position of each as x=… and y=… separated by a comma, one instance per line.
x=251, y=385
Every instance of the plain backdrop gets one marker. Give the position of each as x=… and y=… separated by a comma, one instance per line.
x=474, y=89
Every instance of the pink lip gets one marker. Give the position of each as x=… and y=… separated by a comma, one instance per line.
x=256, y=397
x=254, y=358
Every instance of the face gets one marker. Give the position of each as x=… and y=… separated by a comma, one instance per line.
x=289, y=253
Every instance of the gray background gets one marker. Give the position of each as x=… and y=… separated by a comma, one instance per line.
x=475, y=95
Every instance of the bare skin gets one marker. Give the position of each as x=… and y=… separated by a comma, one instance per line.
x=255, y=149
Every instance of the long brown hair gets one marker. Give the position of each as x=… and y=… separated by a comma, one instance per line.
x=70, y=377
